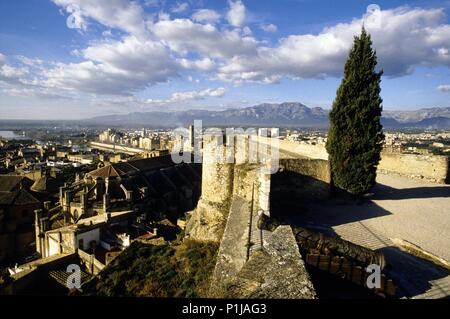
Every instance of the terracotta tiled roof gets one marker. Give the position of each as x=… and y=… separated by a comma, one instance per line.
x=104, y=172
x=20, y=197
x=135, y=166
x=10, y=183
x=45, y=184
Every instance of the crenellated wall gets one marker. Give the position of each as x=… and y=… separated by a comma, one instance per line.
x=235, y=196
x=226, y=162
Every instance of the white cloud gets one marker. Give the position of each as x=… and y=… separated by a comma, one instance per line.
x=121, y=14
x=10, y=74
x=178, y=97
x=153, y=52
x=180, y=7
x=206, y=15
x=163, y=16
x=247, y=31
x=444, y=88
x=115, y=68
x=42, y=93
x=30, y=61
x=191, y=79
x=153, y=3
x=404, y=39
x=205, y=64
x=236, y=13
x=183, y=36
x=23, y=80
x=107, y=33
x=268, y=27
x=76, y=19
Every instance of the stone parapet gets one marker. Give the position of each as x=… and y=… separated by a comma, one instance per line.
x=433, y=168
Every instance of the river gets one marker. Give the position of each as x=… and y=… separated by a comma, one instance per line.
x=10, y=135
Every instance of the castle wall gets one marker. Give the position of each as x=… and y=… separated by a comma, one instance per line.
x=207, y=222
x=116, y=148
x=433, y=168
x=318, y=169
x=235, y=194
x=277, y=271
x=305, y=150
x=217, y=177
x=239, y=237
x=300, y=179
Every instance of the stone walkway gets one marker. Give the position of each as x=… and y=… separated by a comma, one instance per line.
x=439, y=289
x=414, y=211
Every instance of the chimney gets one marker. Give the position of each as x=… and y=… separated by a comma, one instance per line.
x=99, y=188
x=83, y=202
x=44, y=224
x=38, y=231
x=47, y=205
x=129, y=195
x=67, y=200
x=107, y=185
x=105, y=202
x=62, y=189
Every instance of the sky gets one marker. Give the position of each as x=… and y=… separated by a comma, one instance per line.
x=73, y=59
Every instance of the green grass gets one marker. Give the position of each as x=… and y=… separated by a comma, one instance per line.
x=182, y=270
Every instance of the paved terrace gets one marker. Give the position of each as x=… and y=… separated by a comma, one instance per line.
x=400, y=208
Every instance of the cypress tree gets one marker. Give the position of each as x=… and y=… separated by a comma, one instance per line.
x=355, y=135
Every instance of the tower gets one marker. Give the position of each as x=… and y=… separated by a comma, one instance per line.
x=208, y=221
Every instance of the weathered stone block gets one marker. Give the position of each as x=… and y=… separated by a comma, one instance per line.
x=276, y=271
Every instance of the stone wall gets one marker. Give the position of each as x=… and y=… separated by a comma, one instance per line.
x=277, y=271
x=432, y=168
x=234, y=197
x=36, y=272
x=234, y=245
x=300, y=180
x=92, y=265
x=207, y=221
x=295, y=148
x=117, y=148
x=318, y=169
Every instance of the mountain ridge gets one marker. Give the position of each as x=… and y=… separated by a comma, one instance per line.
x=287, y=114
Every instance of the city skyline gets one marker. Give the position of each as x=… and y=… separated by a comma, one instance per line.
x=79, y=59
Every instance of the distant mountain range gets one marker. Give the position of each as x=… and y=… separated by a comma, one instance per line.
x=281, y=115
x=284, y=114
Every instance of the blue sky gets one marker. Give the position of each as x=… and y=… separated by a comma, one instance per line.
x=82, y=58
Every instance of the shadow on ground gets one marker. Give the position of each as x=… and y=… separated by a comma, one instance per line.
x=291, y=204
x=384, y=192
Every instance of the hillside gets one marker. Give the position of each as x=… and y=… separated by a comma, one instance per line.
x=280, y=115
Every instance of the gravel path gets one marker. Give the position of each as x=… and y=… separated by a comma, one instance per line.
x=402, y=208
x=415, y=211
